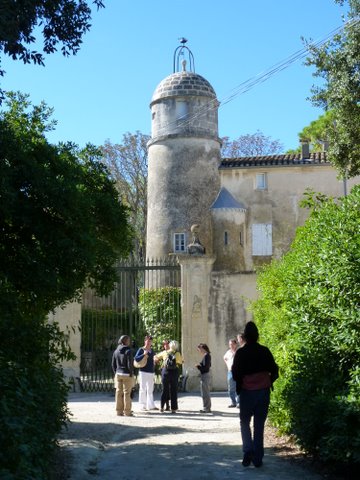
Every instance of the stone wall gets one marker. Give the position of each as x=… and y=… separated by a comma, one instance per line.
x=69, y=319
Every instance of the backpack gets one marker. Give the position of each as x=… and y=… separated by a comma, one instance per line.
x=170, y=362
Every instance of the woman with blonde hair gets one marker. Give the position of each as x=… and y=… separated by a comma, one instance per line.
x=170, y=360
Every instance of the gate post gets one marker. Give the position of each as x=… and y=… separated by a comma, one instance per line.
x=195, y=290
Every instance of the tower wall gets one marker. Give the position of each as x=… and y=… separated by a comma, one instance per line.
x=183, y=181
x=183, y=161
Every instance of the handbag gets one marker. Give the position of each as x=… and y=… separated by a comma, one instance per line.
x=141, y=363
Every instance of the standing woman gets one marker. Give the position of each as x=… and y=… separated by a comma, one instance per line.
x=171, y=359
x=146, y=375
x=204, y=367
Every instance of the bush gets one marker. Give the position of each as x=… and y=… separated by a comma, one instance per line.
x=161, y=314
x=309, y=316
x=33, y=393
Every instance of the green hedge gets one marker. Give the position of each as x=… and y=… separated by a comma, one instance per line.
x=160, y=311
x=309, y=315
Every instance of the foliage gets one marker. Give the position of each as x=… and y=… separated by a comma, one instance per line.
x=160, y=311
x=62, y=22
x=337, y=62
x=61, y=225
x=250, y=145
x=309, y=316
x=127, y=163
x=316, y=132
x=33, y=394
x=61, y=221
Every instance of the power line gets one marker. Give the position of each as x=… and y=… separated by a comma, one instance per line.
x=261, y=77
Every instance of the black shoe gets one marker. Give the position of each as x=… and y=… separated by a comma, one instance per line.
x=205, y=411
x=232, y=405
x=246, y=460
x=257, y=464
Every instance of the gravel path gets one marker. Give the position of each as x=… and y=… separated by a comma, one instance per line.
x=186, y=445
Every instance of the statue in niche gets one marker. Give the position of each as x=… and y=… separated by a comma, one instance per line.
x=195, y=247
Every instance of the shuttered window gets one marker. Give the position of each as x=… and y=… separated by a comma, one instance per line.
x=261, y=181
x=262, y=239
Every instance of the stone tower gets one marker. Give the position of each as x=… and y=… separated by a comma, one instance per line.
x=183, y=156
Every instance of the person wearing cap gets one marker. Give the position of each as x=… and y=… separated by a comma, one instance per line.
x=254, y=371
x=146, y=375
x=169, y=376
x=122, y=365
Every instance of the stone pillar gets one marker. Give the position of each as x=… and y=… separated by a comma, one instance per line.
x=195, y=289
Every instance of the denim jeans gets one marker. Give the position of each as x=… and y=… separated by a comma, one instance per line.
x=232, y=389
x=254, y=403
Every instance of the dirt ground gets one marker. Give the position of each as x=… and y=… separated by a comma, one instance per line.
x=151, y=445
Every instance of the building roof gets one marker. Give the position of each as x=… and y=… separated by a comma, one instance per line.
x=224, y=199
x=183, y=84
x=315, y=158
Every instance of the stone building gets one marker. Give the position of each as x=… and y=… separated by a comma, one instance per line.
x=246, y=209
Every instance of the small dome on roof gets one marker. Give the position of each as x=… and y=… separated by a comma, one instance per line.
x=183, y=84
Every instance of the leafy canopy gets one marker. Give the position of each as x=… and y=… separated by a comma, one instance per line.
x=61, y=23
x=60, y=217
x=337, y=62
x=249, y=145
x=61, y=225
x=128, y=162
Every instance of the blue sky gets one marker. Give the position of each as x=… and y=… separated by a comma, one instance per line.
x=104, y=91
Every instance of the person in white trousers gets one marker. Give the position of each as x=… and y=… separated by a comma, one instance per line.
x=146, y=375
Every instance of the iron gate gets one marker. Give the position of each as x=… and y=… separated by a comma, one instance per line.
x=146, y=299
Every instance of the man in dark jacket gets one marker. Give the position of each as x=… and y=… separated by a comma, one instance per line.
x=122, y=365
x=254, y=371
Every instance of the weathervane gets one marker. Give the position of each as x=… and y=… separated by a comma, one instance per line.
x=180, y=52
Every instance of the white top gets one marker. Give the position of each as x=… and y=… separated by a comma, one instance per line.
x=229, y=358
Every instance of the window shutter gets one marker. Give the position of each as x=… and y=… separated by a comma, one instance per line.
x=262, y=239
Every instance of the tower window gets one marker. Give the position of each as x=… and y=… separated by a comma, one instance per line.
x=181, y=110
x=179, y=242
x=226, y=238
x=261, y=181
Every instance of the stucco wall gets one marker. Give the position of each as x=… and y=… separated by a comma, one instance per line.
x=68, y=319
x=228, y=300
x=278, y=204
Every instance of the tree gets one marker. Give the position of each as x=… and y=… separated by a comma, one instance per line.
x=127, y=163
x=61, y=225
x=337, y=62
x=62, y=22
x=61, y=220
x=317, y=132
x=309, y=315
x=250, y=145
